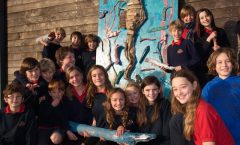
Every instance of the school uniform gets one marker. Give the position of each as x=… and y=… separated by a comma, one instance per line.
x=78, y=57
x=17, y=128
x=88, y=60
x=183, y=53
x=224, y=96
x=209, y=127
x=160, y=127
x=99, y=115
x=51, y=119
x=188, y=32
x=176, y=131
x=49, y=51
x=204, y=49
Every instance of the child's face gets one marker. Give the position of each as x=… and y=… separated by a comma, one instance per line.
x=56, y=93
x=176, y=33
x=75, y=40
x=92, y=45
x=132, y=94
x=69, y=60
x=117, y=101
x=223, y=65
x=98, y=78
x=33, y=74
x=205, y=19
x=182, y=89
x=59, y=37
x=188, y=18
x=14, y=100
x=75, y=78
x=151, y=93
x=47, y=75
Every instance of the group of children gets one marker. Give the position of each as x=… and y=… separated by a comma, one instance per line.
x=42, y=100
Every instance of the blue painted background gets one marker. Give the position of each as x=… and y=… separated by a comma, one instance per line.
x=106, y=49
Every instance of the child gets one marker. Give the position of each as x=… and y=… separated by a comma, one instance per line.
x=223, y=92
x=52, y=43
x=187, y=15
x=29, y=78
x=65, y=59
x=77, y=46
x=76, y=102
x=47, y=69
x=153, y=113
x=119, y=116
x=132, y=91
x=181, y=53
x=207, y=39
x=89, y=55
x=52, y=121
x=17, y=124
x=200, y=121
x=98, y=87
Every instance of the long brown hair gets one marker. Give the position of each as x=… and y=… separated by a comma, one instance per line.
x=143, y=102
x=91, y=88
x=110, y=111
x=188, y=109
x=211, y=63
x=199, y=28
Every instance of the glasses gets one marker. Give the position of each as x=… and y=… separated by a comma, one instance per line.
x=11, y=97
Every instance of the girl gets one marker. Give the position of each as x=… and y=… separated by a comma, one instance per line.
x=208, y=38
x=98, y=87
x=29, y=78
x=200, y=120
x=17, y=123
x=223, y=92
x=76, y=102
x=153, y=113
x=118, y=114
x=132, y=91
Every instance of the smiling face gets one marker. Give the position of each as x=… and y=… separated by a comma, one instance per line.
x=151, y=92
x=98, y=78
x=92, y=45
x=75, y=40
x=182, y=89
x=47, y=75
x=223, y=66
x=117, y=101
x=133, y=94
x=33, y=74
x=14, y=100
x=205, y=19
x=75, y=78
x=188, y=18
x=177, y=34
x=56, y=93
x=69, y=60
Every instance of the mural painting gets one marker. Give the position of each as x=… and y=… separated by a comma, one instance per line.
x=134, y=37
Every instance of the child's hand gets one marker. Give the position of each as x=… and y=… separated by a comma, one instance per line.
x=85, y=134
x=55, y=102
x=42, y=99
x=211, y=36
x=120, y=131
x=32, y=86
x=102, y=139
x=178, y=68
x=71, y=136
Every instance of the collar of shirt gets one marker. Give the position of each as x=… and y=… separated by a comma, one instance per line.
x=208, y=31
x=8, y=111
x=179, y=42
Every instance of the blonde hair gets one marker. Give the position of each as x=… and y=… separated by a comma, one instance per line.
x=177, y=24
x=60, y=30
x=187, y=10
x=47, y=65
x=56, y=84
x=188, y=109
x=211, y=63
x=91, y=88
x=109, y=111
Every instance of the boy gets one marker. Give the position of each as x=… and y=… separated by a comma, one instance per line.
x=89, y=55
x=181, y=53
x=52, y=43
x=187, y=15
x=52, y=121
x=17, y=124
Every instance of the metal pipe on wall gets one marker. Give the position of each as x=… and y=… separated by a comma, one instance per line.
x=3, y=47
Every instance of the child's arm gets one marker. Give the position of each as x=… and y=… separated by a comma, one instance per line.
x=21, y=78
x=194, y=58
x=43, y=40
x=120, y=130
x=31, y=136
